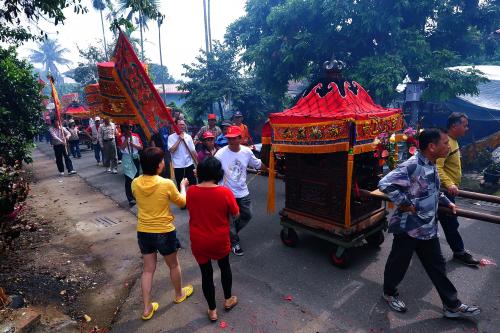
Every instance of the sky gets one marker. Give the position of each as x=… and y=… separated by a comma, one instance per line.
x=182, y=32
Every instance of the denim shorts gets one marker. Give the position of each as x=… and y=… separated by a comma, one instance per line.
x=165, y=243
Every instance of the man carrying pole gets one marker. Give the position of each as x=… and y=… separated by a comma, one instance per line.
x=414, y=187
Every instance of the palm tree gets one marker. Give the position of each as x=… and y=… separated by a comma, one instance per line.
x=100, y=6
x=145, y=9
x=50, y=53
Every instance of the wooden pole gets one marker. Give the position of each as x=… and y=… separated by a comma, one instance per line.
x=460, y=212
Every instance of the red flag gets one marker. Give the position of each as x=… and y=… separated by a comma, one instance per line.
x=139, y=89
x=57, y=104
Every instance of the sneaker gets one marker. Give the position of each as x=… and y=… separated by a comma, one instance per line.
x=61, y=174
x=131, y=203
x=109, y=170
x=99, y=163
x=119, y=161
x=466, y=258
x=237, y=250
x=115, y=171
x=395, y=303
x=72, y=172
x=463, y=310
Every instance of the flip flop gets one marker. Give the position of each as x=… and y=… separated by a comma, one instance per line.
x=233, y=301
x=188, y=291
x=155, y=306
x=214, y=318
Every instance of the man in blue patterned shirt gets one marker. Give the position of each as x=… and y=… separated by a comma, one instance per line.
x=414, y=187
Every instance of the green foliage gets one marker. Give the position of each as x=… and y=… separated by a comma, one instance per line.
x=86, y=72
x=217, y=78
x=381, y=41
x=160, y=74
x=20, y=108
x=390, y=71
x=17, y=17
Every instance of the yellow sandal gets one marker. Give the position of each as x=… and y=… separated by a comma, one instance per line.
x=155, y=306
x=187, y=291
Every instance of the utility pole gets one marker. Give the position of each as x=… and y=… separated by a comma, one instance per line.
x=207, y=47
x=160, y=22
x=209, y=27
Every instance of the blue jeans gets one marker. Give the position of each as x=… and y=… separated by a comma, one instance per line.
x=449, y=223
x=74, y=146
x=97, y=152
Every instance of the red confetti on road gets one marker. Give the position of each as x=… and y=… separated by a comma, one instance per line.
x=486, y=262
x=223, y=324
x=288, y=298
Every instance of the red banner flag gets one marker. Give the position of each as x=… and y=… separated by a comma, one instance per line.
x=139, y=90
x=57, y=104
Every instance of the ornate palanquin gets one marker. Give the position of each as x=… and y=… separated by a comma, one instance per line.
x=326, y=138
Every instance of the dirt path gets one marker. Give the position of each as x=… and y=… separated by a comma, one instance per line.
x=80, y=256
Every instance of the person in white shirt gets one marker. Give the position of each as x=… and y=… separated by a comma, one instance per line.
x=235, y=159
x=92, y=132
x=183, y=152
x=59, y=137
x=106, y=135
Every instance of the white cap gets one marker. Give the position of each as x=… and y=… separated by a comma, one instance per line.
x=97, y=118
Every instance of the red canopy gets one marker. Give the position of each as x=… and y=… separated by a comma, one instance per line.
x=326, y=120
x=76, y=110
x=313, y=108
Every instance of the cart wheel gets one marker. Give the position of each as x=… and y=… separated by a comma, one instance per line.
x=376, y=239
x=339, y=261
x=289, y=237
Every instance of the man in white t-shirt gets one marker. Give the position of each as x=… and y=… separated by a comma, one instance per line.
x=235, y=159
x=182, y=154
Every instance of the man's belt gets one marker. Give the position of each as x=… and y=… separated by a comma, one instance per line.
x=107, y=140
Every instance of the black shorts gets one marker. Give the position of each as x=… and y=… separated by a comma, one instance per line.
x=165, y=243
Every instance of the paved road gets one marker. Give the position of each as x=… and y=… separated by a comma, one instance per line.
x=323, y=298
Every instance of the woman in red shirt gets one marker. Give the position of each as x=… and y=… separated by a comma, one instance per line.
x=210, y=207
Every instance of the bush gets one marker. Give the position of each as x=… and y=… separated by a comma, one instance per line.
x=20, y=108
x=14, y=188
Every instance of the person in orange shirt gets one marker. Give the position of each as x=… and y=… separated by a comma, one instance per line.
x=246, y=139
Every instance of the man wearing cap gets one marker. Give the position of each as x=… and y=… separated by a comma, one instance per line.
x=93, y=132
x=245, y=134
x=208, y=148
x=221, y=140
x=181, y=147
x=212, y=127
x=235, y=159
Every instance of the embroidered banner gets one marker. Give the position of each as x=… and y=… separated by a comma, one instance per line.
x=138, y=89
x=57, y=104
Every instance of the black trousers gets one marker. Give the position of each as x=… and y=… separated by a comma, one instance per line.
x=207, y=280
x=60, y=152
x=128, y=180
x=429, y=253
x=185, y=173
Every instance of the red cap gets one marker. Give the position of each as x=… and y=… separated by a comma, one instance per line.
x=207, y=135
x=212, y=116
x=233, y=132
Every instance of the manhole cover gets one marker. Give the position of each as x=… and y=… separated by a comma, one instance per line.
x=106, y=221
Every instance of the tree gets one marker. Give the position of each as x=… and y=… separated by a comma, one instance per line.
x=100, y=6
x=159, y=74
x=216, y=78
x=20, y=107
x=49, y=54
x=382, y=42
x=17, y=17
x=86, y=72
x=145, y=10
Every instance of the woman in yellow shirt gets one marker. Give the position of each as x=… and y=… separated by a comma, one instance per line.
x=155, y=228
